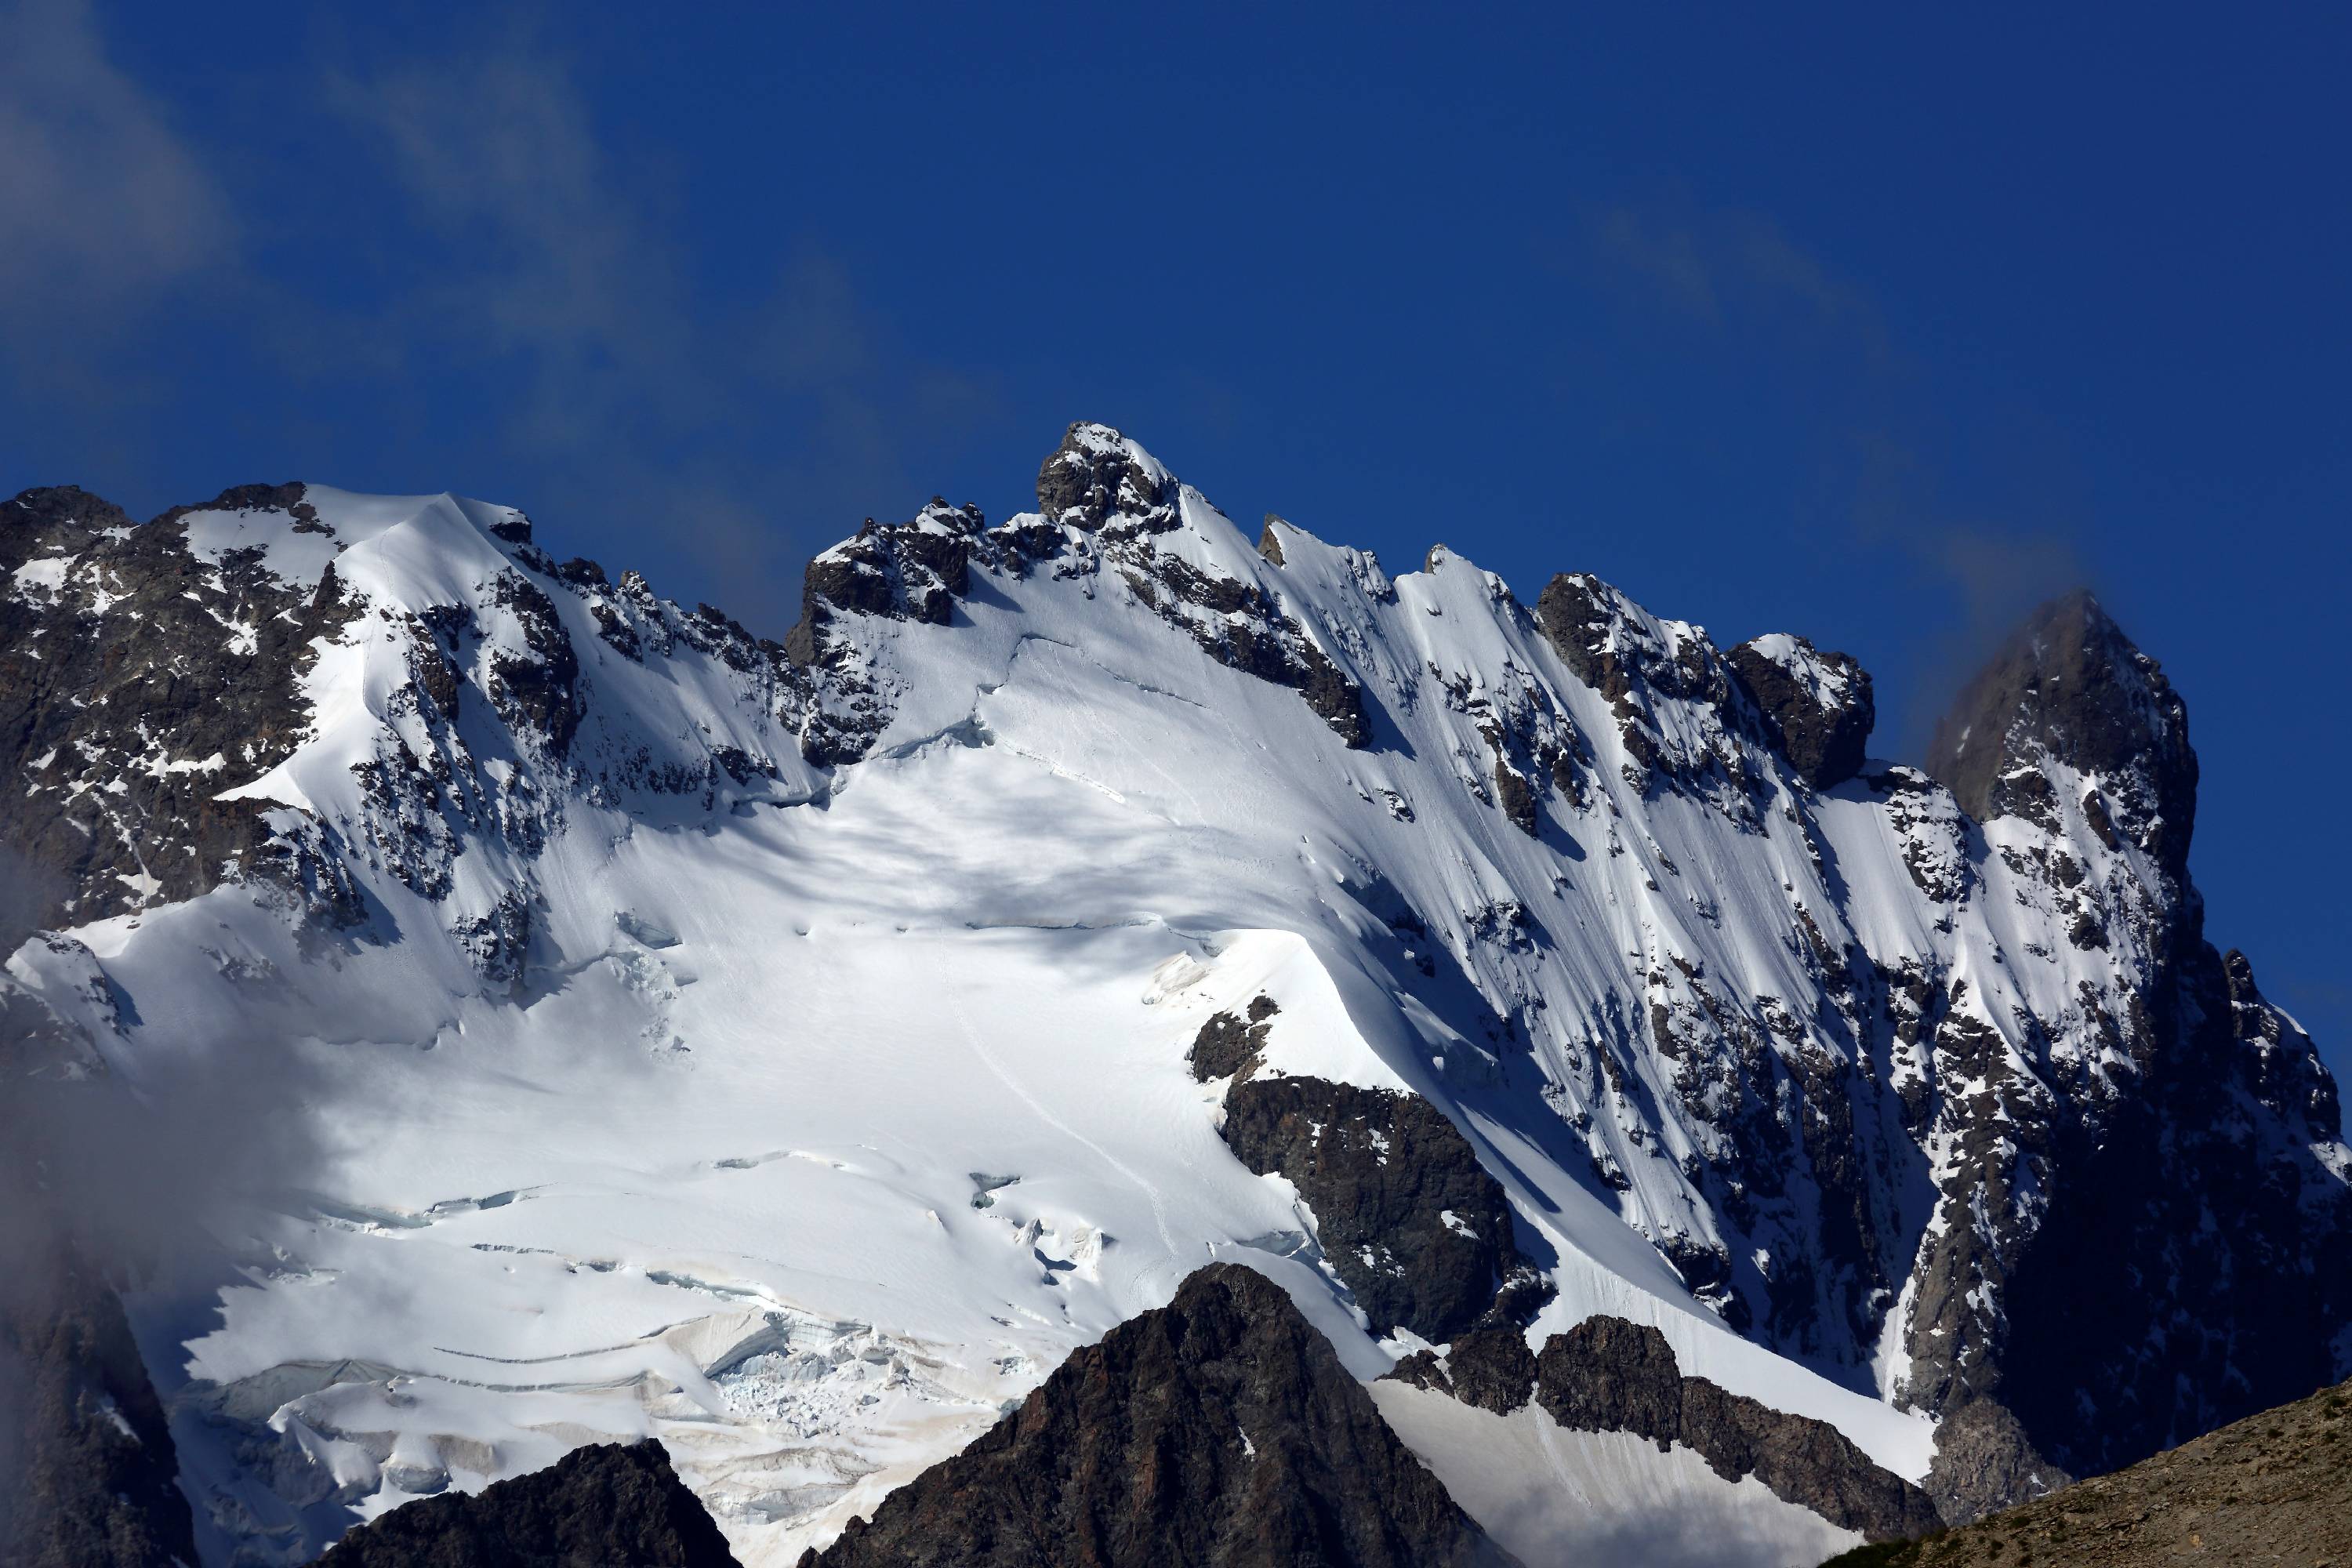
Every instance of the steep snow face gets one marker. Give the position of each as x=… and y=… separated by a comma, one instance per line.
x=781, y=1048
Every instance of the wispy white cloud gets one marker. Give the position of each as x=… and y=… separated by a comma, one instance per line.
x=1802, y=324
x=747, y=431
x=1721, y=265
x=500, y=252
x=104, y=201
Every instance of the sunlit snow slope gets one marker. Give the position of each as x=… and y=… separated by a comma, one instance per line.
x=782, y=1049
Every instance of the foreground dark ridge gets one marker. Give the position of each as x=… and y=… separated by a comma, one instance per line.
x=1219, y=1432
x=605, y=1504
x=89, y=1480
x=1610, y=1375
x=2273, y=1488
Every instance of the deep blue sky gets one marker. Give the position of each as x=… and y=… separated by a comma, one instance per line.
x=1869, y=326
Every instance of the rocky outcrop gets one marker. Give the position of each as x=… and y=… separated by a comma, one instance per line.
x=1650, y=671
x=1407, y=1218
x=1095, y=476
x=2273, y=1488
x=1490, y=1368
x=88, y=1477
x=1938, y=1063
x=1106, y=507
x=1220, y=1430
x=535, y=690
x=1231, y=1045
x=1984, y=1463
x=913, y=572
x=2159, y=1163
x=1102, y=484
x=138, y=682
x=1609, y=1375
x=1816, y=706
x=608, y=1504
x=2069, y=688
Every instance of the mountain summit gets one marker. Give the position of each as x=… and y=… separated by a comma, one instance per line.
x=797, y=1051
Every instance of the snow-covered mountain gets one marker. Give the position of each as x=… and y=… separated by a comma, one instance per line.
x=796, y=1050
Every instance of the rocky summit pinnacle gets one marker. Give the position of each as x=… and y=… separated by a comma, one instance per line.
x=2068, y=689
x=1218, y=1430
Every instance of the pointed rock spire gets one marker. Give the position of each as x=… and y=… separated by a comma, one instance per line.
x=1816, y=706
x=1220, y=1430
x=2068, y=689
x=1095, y=474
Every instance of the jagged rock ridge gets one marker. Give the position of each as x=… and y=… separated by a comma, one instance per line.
x=1404, y=1216
x=1218, y=1430
x=1609, y=1375
x=2187, y=1098
x=607, y=1503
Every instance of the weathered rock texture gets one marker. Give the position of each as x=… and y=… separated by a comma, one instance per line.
x=1490, y=1368
x=1415, y=1228
x=2168, y=1179
x=88, y=1474
x=1609, y=1375
x=1816, y=706
x=1219, y=1431
x=1230, y=1046
x=2273, y=1488
x=136, y=689
x=1985, y=1462
x=597, y=1506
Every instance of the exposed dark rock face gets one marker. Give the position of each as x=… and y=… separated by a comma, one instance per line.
x=146, y=670
x=2273, y=1488
x=1490, y=1368
x=1220, y=1430
x=2206, y=1243
x=1984, y=1463
x=1103, y=508
x=1228, y=1044
x=2032, y=1124
x=1933, y=832
x=1408, y=1219
x=537, y=692
x=911, y=571
x=1095, y=485
x=138, y=686
x=88, y=1477
x=2069, y=687
x=2156, y=1169
x=1640, y=664
x=1816, y=707
x=600, y=1505
x=1609, y=1375
x=1090, y=477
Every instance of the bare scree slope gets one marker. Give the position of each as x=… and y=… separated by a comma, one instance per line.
x=797, y=1051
